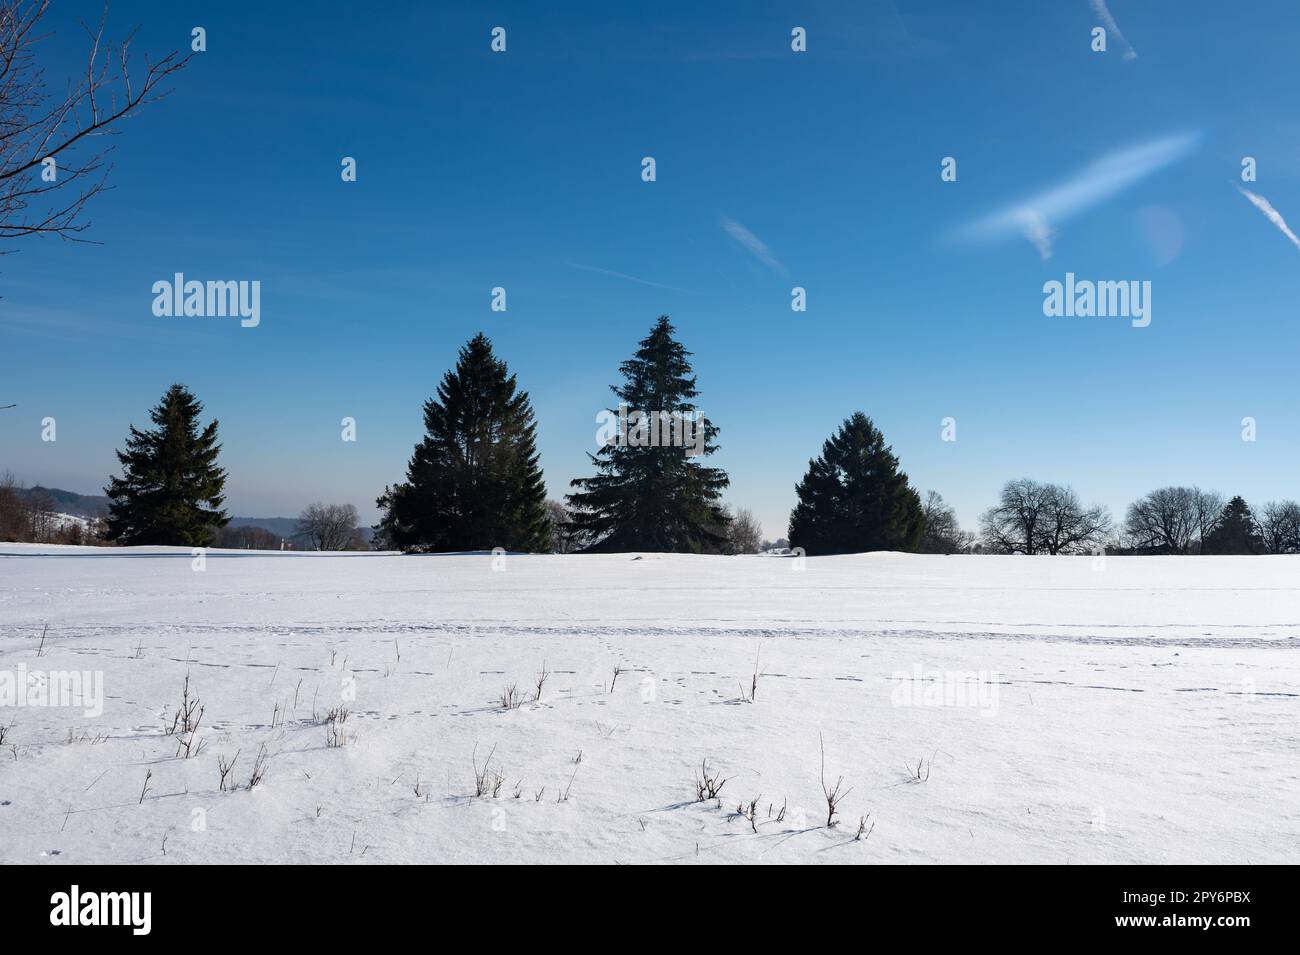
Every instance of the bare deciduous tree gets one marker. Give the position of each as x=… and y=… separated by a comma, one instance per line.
x=565, y=538
x=13, y=509
x=943, y=535
x=1172, y=520
x=1013, y=525
x=1209, y=510
x=52, y=158
x=1034, y=518
x=744, y=536
x=1279, y=526
x=1071, y=527
x=30, y=515
x=1163, y=521
x=330, y=526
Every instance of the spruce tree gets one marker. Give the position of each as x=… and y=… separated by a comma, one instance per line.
x=473, y=482
x=654, y=497
x=170, y=491
x=1236, y=532
x=854, y=498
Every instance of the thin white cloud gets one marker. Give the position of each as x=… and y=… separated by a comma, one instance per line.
x=625, y=276
x=1037, y=217
x=752, y=244
x=1273, y=216
x=1108, y=21
x=1038, y=231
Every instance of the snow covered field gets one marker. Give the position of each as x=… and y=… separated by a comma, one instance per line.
x=1061, y=710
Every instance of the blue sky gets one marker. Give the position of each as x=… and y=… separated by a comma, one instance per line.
x=522, y=170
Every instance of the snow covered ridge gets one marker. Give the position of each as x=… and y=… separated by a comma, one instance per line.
x=303, y=707
x=62, y=520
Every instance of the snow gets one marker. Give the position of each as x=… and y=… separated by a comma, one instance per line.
x=62, y=520
x=1061, y=710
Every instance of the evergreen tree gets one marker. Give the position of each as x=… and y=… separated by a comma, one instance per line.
x=170, y=491
x=1236, y=532
x=651, y=494
x=473, y=482
x=854, y=498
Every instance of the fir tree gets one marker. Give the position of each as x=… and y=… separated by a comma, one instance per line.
x=651, y=494
x=1236, y=532
x=854, y=498
x=473, y=482
x=170, y=491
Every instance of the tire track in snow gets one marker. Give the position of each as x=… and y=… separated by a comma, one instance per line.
x=573, y=629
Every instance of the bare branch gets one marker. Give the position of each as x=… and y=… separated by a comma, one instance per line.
x=37, y=124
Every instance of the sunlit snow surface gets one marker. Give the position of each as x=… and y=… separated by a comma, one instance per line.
x=1061, y=710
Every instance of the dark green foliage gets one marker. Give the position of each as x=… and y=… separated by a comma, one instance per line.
x=170, y=491
x=473, y=482
x=854, y=498
x=660, y=498
x=1235, y=533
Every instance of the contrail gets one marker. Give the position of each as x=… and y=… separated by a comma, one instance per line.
x=1036, y=217
x=753, y=244
x=1273, y=216
x=625, y=276
x=1099, y=8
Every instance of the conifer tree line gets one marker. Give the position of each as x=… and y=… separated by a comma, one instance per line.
x=474, y=482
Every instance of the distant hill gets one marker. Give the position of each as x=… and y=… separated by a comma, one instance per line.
x=96, y=505
x=285, y=527
x=280, y=526
x=70, y=502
